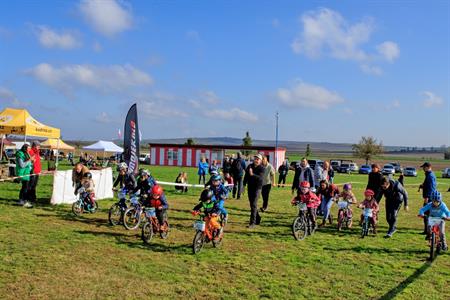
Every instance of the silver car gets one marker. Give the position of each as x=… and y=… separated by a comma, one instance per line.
x=410, y=171
x=446, y=173
x=388, y=169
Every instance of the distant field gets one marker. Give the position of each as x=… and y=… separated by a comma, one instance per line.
x=47, y=253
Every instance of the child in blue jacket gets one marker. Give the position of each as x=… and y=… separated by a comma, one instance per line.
x=437, y=209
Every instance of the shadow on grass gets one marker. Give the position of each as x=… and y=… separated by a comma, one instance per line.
x=369, y=250
x=404, y=284
x=68, y=216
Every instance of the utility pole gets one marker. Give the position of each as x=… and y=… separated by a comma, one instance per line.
x=276, y=143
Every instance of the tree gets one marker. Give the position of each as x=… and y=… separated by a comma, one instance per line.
x=247, y=142
x=367, y=148
x=308, y=151
x=190, y=142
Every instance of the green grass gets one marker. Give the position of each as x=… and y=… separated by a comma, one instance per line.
x=47, y=253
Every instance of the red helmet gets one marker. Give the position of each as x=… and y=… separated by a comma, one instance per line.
x=157, y=190
x=305, y=184
x=369, y=193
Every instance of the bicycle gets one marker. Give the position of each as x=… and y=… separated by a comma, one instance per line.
x=366, y=224
x=83, y=203
x=153, y=226
x=117, y=210
x=436, y=241
x=343, y=214
x=206, y=232
x=133, y=215
x=302, y=226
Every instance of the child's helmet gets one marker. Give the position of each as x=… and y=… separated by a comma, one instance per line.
x=369, y=193
x=87, y=175
x=214, y=172
x=206, y=195
x=436, y=196
x=305, y=184
x=144, y=172
x=216, y=178
x=123, y=166
x=347, y=186
x=157, y=190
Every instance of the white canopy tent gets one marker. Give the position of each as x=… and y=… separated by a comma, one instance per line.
x=104, y=146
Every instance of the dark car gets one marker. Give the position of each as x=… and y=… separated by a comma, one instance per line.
x=335, y=164
x=397, y=167
x=312, y=163
x=365, y=169
x=344, y=168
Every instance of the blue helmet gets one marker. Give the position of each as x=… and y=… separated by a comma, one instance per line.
x=216, y=178
x=436, y=196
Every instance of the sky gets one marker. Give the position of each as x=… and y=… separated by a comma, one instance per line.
x=334, y=70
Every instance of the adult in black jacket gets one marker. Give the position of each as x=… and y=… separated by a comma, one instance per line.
x=254, y=179
x=283, y=171
x=374, y=182
x=237, y=171
x=303, y=172
x=394, y=195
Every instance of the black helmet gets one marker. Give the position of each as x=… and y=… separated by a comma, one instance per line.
x=206, y=195
x=87, y=175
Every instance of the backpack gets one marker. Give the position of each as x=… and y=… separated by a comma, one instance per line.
x=237, y=166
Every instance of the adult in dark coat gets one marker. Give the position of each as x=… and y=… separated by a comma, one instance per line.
x=303, y=172
x=237, y=172
x=374, y=182
x=254, y=179
x=395, y=195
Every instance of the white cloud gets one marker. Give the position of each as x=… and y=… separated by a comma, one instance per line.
x=50, y=38
x=10, y=98
x=193, y=35
x=302, y=94
x=327, y=31
x=195, y=103
x=231, y=114
x=210, y=97
x=431, y=99
x=101, y=78
x=393, y=105
x=389, y=51
x=155, y=108
x=107, y=17
x=103, y=117
x=371, y=70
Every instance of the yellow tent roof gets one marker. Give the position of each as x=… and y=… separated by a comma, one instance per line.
x=54, y=144
x=19, y=121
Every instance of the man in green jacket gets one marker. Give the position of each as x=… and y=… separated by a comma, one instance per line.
x=24, y=164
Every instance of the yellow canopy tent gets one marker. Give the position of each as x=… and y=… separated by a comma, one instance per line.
x=56, y=144
x=20, y=122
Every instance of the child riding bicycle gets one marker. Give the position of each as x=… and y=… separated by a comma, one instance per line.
x=371, y=203
x=210, y=208
x=305, y=195
x=157, y=199
x=348, y=196
x=437, y=209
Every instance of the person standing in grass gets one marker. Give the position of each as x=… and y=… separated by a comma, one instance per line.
x=326, y=193
x=283, y=170
x=254, y=179
x=36, y=170
x=268, y=182
x=24, y=164
x=237, y=171
x=429, y=186
x=374, y=183
x=303, y=172
x=395, y=195
x=202, y=170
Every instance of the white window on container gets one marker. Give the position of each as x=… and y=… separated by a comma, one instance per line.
x=172, y=155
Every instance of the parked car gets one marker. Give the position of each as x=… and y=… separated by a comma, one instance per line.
x=446, y=173
x=365, y=169
x=312, y=163
x=410, y=171
x=344, y=168
x=335, y=164
x=397, y=167
x=354, y=167
x=388, y=169
x=144, y=158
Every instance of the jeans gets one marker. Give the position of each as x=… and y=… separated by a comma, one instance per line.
x=32, y=187
x=265, y=195
x=253, y=200
x=391, y=216
x=237, y=187
x=325, y=207
x=282, y=179
x=24, y=191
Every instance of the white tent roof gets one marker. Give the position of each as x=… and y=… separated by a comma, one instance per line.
x=104, y=146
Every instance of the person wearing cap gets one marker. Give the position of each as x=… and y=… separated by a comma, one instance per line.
x=428, y=187
x=254, y=180
x=268, y=182
x=374, y=182
x=36, y=170
x=24, y=163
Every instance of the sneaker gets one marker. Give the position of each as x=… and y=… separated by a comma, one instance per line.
x=28, y=205
x=387, y=236
x=262, y=209
x=20, y=202
x=251, y=226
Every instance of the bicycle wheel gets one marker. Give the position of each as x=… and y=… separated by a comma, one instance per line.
x=147, y=232
x=197, y=244
x=95, y=207
x=115, y=214
x=218, y=242
x=365, y=228
x=131, y=218
x=432, y=246
x=299, y=229
x=164, y=234
x=77, y=208
x=340, y=220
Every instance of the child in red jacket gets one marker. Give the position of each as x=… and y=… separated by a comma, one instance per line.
x=370, y=202
x=311, y=200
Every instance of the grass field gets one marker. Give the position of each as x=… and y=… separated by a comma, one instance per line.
x=47, y=253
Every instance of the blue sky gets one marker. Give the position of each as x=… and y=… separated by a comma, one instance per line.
x=334, y=70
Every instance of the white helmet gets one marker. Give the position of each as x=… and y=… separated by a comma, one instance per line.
x=123, y=166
